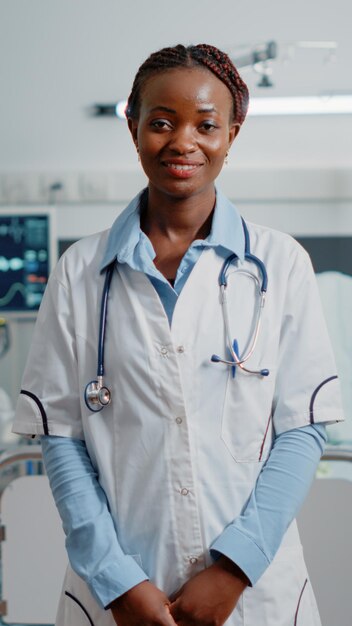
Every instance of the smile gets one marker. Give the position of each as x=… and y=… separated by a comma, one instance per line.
x=182, y=170
x=181, y=167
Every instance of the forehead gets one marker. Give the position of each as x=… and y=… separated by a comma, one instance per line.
x=185, y=86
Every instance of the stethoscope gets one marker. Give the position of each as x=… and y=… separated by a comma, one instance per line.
x=262, y=288
x=97, y=395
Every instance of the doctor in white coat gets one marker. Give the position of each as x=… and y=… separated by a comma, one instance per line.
x=179, y=470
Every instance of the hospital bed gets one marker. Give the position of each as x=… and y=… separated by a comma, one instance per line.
x=325, y=524
x=33, y=558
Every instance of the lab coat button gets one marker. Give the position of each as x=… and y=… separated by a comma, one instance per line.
x=184, y=491
x=178, y=420
x=164, y=351
x=180, y=349
x=193, y=560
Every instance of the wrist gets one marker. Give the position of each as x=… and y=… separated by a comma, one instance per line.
x=125, y=597
x=229, y=566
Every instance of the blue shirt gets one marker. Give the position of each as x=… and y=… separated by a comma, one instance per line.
x=128, y=244
x=253, y=538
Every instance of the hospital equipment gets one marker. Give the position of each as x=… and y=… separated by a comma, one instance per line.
x=27, y=256
x=97, y=395
x=33, y=556
x=4, y=337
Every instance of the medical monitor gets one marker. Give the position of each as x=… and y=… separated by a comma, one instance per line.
x=27, y=255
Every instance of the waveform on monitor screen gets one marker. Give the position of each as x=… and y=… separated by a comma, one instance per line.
x=13, y=229
x=9, y=296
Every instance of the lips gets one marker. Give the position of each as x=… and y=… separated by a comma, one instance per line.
x=182, y=169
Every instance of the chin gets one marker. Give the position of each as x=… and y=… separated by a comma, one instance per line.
x=182, y=189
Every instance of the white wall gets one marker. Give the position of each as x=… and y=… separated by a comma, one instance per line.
x=58, y=56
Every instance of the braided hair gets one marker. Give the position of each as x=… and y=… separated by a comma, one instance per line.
x=202, y=55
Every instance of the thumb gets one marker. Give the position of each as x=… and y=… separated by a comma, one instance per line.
x=170, y=617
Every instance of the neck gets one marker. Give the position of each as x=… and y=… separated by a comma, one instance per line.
x=185, y=218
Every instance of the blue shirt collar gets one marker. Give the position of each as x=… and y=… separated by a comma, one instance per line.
x=125, y=234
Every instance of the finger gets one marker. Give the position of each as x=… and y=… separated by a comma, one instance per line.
x=170, y=619
x=176, y=594
x=174, y=610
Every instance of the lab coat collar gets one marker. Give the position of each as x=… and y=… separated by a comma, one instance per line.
x=125, y=233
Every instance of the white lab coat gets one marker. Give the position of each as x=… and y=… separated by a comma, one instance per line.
x=180, y=447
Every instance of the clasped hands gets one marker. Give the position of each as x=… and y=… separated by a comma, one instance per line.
x=207, y=599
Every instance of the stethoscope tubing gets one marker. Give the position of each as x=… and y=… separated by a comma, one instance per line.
x=103, y=319
x=236, y=359
x=239, y=361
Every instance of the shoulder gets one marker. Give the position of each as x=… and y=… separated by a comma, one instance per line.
x=81, y=257
x=276, y=246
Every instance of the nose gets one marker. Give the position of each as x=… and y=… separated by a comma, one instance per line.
x=183, y=140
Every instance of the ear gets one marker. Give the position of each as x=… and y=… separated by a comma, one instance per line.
x=233, y=132
x=133, y=128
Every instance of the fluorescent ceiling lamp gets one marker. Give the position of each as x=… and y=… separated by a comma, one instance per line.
x=120, y=109
x=310, y=105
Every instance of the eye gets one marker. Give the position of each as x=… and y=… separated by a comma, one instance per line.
x=208, y=126
x=160, y=124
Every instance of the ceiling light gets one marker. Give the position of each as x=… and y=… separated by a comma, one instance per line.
x=307, y=105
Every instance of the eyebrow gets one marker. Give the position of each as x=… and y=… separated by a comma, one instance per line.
x=162, y=108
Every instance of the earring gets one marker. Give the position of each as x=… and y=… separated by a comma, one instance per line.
x=226, y=160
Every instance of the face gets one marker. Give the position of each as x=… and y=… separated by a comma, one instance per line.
x=184, y=130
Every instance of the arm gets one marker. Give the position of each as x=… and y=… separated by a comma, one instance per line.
x=253, y=539
x=247, y=546
x=91, y=540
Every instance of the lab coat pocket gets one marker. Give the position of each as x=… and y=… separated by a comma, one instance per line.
x=246, y=427
x=283, y=596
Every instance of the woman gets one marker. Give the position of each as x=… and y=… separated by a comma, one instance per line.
x=178, y=498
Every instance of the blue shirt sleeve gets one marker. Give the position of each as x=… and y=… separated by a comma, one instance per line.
x=252, y=539
x=91, y=540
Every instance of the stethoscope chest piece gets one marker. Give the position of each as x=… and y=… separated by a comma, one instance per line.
x=96, y=395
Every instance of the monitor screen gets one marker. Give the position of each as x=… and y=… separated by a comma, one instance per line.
x=26, y=256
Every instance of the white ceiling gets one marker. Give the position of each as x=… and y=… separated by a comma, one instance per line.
x=59, y=56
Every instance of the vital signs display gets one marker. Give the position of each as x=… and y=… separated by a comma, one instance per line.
x=25, y=258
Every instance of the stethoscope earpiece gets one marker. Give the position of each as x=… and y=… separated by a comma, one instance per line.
x=216, y=359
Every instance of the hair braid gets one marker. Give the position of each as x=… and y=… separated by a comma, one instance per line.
x=201, y=55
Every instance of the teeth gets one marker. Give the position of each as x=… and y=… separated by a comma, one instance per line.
x=181, y=167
